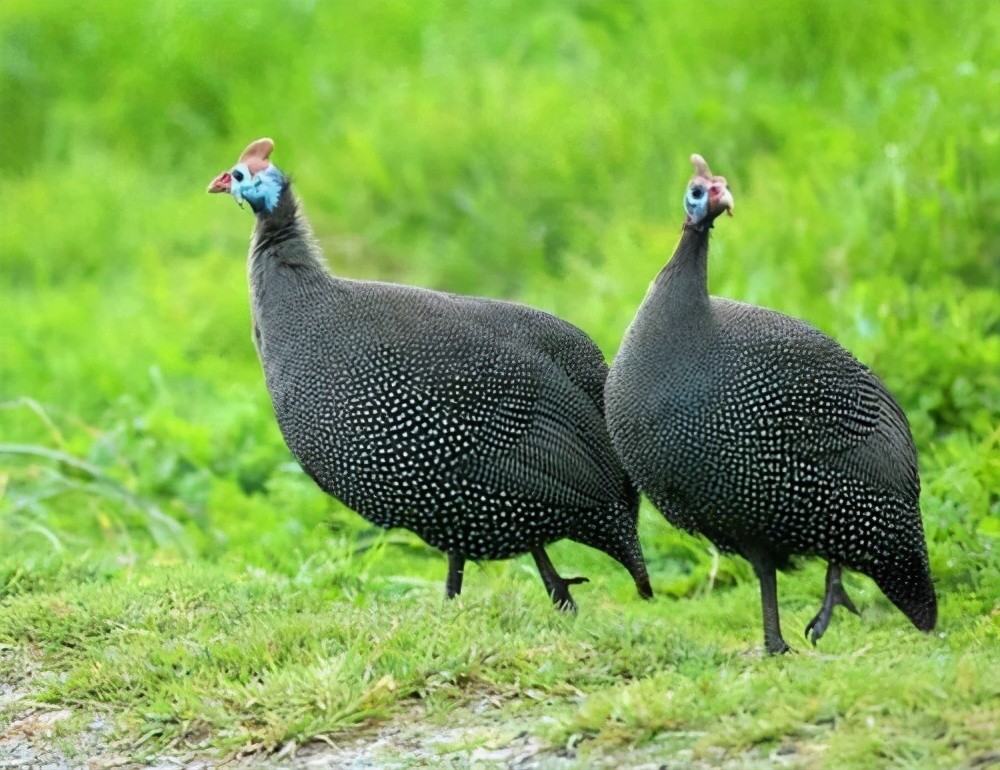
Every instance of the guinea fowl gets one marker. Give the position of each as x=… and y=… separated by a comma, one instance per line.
x=766, y=436
x=475, y=423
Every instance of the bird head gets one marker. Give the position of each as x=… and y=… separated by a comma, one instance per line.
x=707, y=196
x=253, y=179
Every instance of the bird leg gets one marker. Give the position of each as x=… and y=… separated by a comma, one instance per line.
x=456, y=571
x=556, y=586
x=766, y=574
x=835, y=594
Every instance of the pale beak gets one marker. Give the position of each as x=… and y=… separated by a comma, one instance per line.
x=223, y=183
x=724, y=200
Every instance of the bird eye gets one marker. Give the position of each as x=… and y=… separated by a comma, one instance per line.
x=237, y=175
x=696, y=192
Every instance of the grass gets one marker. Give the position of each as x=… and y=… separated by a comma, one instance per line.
x=165, y=564
x=202, y=657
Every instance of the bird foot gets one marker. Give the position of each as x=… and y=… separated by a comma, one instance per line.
x=777, y=646
x=559, y=593
x=817, y=626
x=835, y=595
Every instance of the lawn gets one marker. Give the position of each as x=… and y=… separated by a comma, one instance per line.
x=173, y=587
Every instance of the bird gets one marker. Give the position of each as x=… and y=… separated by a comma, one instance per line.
x=477, y=424
x=766, y=436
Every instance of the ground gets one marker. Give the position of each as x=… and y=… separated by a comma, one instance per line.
x=187, y=665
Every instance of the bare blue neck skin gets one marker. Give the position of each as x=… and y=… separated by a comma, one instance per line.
x=262, y=191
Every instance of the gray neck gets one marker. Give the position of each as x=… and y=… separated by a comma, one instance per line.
x=680, y=291
x=283, y=249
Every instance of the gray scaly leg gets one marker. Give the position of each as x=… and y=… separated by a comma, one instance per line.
x=557, y=587
x=766, y=574
x=835, y=594
x=456, y=571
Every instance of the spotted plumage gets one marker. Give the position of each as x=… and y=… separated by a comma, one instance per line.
x=766, y=436
x=477, y=424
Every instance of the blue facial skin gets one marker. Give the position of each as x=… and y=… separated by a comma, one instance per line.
x=696, y=203
x=261, y=191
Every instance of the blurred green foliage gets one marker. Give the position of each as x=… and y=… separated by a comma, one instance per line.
x=535, y=151
x=527, y=151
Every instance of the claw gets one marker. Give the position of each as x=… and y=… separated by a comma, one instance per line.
x=566, y=605
x=835, y=594
x=559, y=593
x=778, y=648
x=556, y=586
x=815, y=628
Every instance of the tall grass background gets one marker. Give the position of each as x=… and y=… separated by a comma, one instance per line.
x=527, y=151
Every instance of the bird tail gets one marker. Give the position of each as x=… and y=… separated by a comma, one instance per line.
x=637, y=569
x=616, y=532
x=629, y=555
x=905, y=579
x=630, y=552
